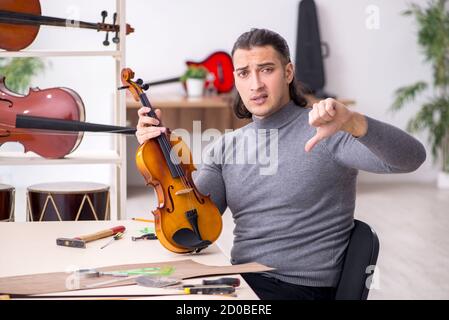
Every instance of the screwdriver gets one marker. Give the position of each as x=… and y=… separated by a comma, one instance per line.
x=210, y=290
x=235, y=282
x=117, y=236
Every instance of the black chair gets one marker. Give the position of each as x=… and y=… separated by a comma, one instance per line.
x=362, y=251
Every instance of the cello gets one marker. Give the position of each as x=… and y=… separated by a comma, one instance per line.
x=185, y=220
x=20, y=21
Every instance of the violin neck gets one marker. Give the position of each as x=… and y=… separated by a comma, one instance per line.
x=175, y=169
x=32, y=19
x=146, y=103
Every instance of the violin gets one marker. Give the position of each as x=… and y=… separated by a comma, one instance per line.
x=35, y=120
x=62, y=103
x=20, y=21
x=185, y=220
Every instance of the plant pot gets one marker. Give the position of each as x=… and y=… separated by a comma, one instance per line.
x=195, y=87
x=443, y=180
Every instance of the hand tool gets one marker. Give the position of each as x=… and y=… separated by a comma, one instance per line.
x=156, y=282
x=117, y=236
x=80, y=242
x=148, y=236
x=94, y=273
x=235, y=282
x=215, y=289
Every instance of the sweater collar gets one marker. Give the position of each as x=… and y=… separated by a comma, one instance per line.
x=280, y=118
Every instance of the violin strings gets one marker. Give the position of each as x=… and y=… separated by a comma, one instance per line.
x=181, y=173
x=166, y=144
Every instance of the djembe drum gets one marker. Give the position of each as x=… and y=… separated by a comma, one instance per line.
x=68, y=201
x=6, y=203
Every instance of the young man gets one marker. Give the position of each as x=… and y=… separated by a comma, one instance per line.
x=298, y=218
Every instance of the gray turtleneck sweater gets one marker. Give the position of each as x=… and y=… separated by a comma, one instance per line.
x=294, y=210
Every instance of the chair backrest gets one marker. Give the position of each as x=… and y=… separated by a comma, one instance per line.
x=359, y=262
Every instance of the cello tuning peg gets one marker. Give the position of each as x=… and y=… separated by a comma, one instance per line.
x=139, y=82
x=146, y=86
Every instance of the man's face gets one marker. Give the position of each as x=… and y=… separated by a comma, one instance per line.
x=262, y=80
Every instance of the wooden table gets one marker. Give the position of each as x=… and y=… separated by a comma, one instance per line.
x=213, y=112
x=30, y=247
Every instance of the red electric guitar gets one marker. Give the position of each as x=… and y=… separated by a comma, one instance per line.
x=219, y=63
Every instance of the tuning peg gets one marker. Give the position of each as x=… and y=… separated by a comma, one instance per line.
x=106, y=41
x=139, y=82
x=116, y=39
x=104, y=14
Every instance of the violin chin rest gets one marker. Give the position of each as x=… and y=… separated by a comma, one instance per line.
x=188, y=239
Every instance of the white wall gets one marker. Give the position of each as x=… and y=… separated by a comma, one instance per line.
x=365, y=65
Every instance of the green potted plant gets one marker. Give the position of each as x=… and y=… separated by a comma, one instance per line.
x=433, y=116
x=19, y=71
x=194, y=79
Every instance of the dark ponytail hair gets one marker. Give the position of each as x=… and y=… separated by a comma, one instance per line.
x=261, y=38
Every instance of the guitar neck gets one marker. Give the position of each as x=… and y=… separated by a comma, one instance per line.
x=31, y=19
x=154, y=83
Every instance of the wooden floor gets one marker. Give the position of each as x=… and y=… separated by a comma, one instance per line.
x=412, y=222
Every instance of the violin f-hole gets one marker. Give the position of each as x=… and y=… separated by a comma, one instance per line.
x=7, y=101
x=200, y=200
x=171, y=200
x=4, y=133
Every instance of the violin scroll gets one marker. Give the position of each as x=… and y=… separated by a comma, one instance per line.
x=127, y=75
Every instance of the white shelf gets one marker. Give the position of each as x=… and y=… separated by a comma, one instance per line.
x=26, y=54
x=115, y=157
x=30, y=158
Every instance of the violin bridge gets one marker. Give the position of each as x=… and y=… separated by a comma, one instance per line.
x=183, y=191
